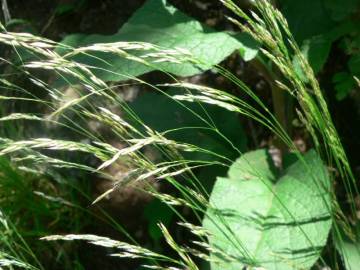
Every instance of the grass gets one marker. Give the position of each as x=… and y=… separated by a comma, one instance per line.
x=95, y=97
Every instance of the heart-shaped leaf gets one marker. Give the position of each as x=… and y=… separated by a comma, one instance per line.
x=258, y=218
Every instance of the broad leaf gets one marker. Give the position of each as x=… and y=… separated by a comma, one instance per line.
x=261, y=219
x=349, y=250
x=161, y=24
x=351, y=255
x=307, y=18
x=157, y=212
x=163, y=113
x=339, y=10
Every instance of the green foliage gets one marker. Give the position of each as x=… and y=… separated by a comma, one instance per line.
x=317, y=50
x=163, y=25
x=69, y=7
x=317, y=20
x=340, y=10
x=201, y=125
x=349, y=249
x=344, y=80
x=343, y=83
x=156, y=212
x=258, y=216
x=326, y=22
x=33, y=206
x=16, y=195
x=261, y=218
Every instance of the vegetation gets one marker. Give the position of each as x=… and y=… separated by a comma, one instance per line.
x=150, y=149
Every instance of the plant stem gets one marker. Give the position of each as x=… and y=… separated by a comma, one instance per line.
x=6, y=12
x=279, y=101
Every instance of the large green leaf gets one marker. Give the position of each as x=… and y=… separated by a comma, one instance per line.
x=307, y=18
x=351, y=255
x=261, y=219
x=155, y=212
x=162, y=24
x=162, y=113
x=349, y=250
x=339, y=10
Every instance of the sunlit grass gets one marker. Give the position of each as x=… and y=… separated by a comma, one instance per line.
x=268, y=27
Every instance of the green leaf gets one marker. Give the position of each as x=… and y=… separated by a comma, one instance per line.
x=259, y=218
x=343, y=84
x=249, y=48
x=314, y=30
x=351, y=255
x=349, y=250
x=307, y=18
x=163, y=113
x=157, y=212
x=339, y=10
x=316, y=50
x=65, y=8
x=354, y=64
x=69, y=7
x=161, y=24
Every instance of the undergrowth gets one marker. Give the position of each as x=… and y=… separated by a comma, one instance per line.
x=217, y=226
